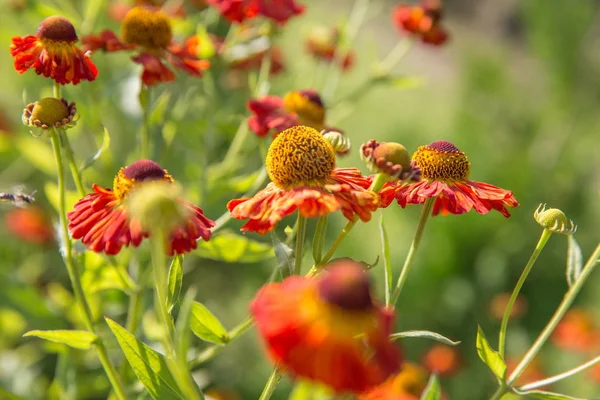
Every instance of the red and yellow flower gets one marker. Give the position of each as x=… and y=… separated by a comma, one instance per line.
x=149, y=30
x=445, y=176
x=275, y=114
x=301, y=165
x=323, y=44
x=328, y=329
x=30, y=224
x=241, y=10
x=407, y=385
x=102, y=219
x=423, y=21
x=53, y=52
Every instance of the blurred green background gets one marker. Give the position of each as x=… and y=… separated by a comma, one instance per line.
x=517, y=88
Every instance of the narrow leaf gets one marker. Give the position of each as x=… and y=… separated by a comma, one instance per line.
x=433, y=390
x=490, y=357
x=539, y=394
x=175, y=279
x=149, y=365
x=285, y=255
x=425, y=335
x=387, y=260
x=105, y=145
x=206, y=326
x=319, y=239
x=77, y=339
x=574, y=261
x=233, y=248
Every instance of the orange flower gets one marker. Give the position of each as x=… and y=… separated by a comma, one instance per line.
x=30, y=224
x=328, y=329
x=407, y=385
x=576, y=331
x=422, y=21
x=150, y=30
x=101, y=219
x=499, y=303
x=241, y=10
x=323, y=43
x=442, y=360
x=445, y=177
x=301, y=165
x=275, y=114
x=54, y=53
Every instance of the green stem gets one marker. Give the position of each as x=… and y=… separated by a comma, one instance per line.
x=560, y=377
x=300, y=234
x=319, y=238
x=271, y=385
x=74, y=276
x=499, y=393
x=159, y=261
x=387, y=262
x=68, y=152
x=394, y=57
x=558, y=315
x=146, y=104
x=425, y=212
x=213, y=350
x=546, y=233
x=56, y=90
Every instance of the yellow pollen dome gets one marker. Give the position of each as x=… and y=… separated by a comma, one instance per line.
x=442, y=161
x=307, y=104
x=147, y=28
x=49, y=111
x=300, y=156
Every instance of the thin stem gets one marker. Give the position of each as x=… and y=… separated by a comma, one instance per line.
x=499, y=393
x=271, y=384
x=146, y=103
x=558, y=315
x=387, y=262
x=546, y=233
x=394, y=57
x=300, y=234
x=56, y=90
x=68, y=152
x=559, y=377
x=338, y=241
x=74, y=276
x=425, y=212
x=213, y=350
x=159, y=261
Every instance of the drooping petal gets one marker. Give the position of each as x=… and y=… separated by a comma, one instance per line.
x=154, y=70
x=269, y=115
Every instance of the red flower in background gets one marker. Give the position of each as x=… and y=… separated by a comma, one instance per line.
x=407, y=385
x=445, y=176
x=442, y=360
x=323, y=43
x=275, y=114
x=150, y=30
x=30, y=224
x=328, y=329
x=53, y=52
x=241, y=10
x=423, y=21
x=101, y=219
x=577, y=332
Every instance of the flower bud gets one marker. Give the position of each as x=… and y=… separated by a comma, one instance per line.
x=156, y=206
x=346, y=285
x=387, y=157
x=340, y=143
x=49, y=113
x=554, y=220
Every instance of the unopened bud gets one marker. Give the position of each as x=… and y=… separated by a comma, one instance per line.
x=554, y=220
x=340, y=143
x=387, y=157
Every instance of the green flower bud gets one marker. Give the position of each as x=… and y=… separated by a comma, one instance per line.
x=554, y=220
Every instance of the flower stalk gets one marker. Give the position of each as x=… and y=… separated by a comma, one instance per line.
x=546, y=233
x=74, y=275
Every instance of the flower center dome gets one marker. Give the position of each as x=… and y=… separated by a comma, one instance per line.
x=147, y=28
x=57, y=28
x=300, y=156
x=139, y=171
x=442, y=161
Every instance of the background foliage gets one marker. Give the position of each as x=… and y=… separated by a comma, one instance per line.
x=517, y=89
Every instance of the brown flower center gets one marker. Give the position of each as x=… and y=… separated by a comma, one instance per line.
x=147, y=28
x=307, y=104
x=346, y=285
x=57, y=28
x=139, y=171
x=442, y=161
x=300, y=156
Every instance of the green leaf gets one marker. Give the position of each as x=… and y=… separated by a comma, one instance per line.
x=206, y=48
x=539, y=394
x=38, y=153
x=433, y=391
x=105, y=145
x=233, y=248
x=175, y=279
x=574, y=261
x=77, y=339
x=306, y=390
x=425, y=335
x=149, y=366
x=490, y=357
x=285, y=255
x=206, y=326
x=8, y=396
